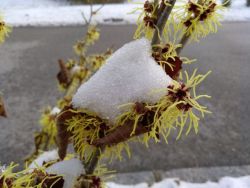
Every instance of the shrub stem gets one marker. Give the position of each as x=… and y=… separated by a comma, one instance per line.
x=162, y=20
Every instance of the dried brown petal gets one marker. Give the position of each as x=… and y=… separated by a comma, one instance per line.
x=63, y=76
x=2, y=108
x=176, y=67
x=62, y=133
x=140, y=108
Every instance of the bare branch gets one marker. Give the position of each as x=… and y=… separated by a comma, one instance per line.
x=92, y=13
x=162, y=22
x=91, y=165
x=183, y=42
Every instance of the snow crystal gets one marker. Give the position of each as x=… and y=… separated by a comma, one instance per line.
x=55, y=111
x=69, y=169
x=75, y=69
x=114, y=185
x=43, y=158
x=130, y=75
x=2, y=169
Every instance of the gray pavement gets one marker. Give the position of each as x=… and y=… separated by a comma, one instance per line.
x=27, y=79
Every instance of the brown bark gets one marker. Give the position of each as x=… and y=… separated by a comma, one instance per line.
x=121, y=134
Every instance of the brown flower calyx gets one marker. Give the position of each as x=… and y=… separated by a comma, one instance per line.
x=165, y=48
x=6, y=181
x=95, y=182
x=209, y=10
x=2, y=108
x=157, y=55
x=176, y=66
x=150, y=21
x=48, y=180
x=178, y=95
x=200, y=14
x=88, y=181
x=192, y=7
x=140, y=108
x=188, y=23
x=63, y=76
x=148, y=7
x=80, y=45
x=2, y=25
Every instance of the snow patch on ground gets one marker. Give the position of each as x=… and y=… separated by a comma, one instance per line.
x=114, y=185
x=59, y=12
x=226, y=182
x=8, y=4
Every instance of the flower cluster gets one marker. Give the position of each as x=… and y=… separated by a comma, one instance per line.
x=166, y=56
x=90, y=38
x=172, y=111
x=4, y=30
x=37, y=178
x=200, y=18
x=95, y=180
x=147, y=20
x=72, y=73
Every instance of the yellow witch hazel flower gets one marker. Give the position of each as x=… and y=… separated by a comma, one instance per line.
x=175, y=110
x=201, y=17
x=100, y=175
x=87, y=127
x=28, y=178
x=4, y=30
x=48, y=124
x=146, y=21
x=91, y=37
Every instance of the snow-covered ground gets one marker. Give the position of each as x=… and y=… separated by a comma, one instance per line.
x=60, y=12
x=226, y=182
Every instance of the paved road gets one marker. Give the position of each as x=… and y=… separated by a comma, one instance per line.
x=27, y=79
